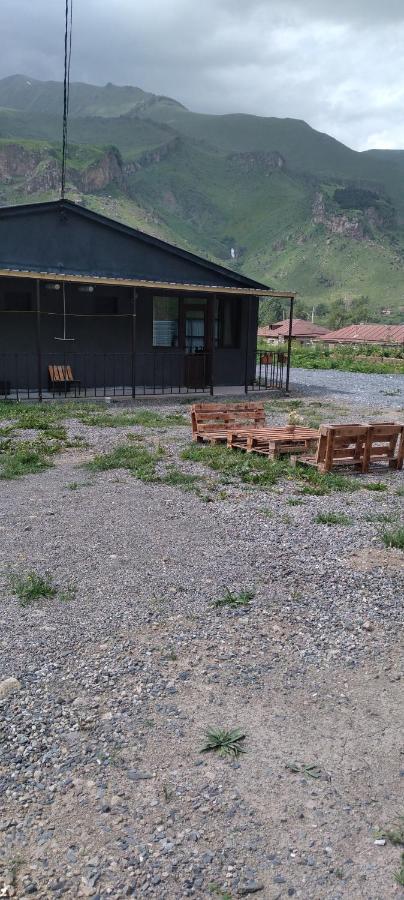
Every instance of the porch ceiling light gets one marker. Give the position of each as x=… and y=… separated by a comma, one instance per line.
x=52, y=286
x=86, y=288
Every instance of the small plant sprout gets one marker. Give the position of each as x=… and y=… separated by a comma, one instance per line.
x=309, y=769
x=234, y=600
x=224, y=743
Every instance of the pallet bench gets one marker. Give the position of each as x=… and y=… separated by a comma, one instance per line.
x=212, y=421
x=358, y=445
x=60, y=378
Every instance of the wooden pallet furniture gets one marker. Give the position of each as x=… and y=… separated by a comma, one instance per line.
x=273, y=441
x=338, y=445
x=384, y=443
x=60, y=378
x=212, y=421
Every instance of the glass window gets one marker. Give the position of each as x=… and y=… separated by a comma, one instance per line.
x=227, y=322
x=165, y=321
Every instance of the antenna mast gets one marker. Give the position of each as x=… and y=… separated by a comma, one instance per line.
x=66, y=88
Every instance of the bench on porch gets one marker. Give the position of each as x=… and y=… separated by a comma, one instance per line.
x=212, y=421
x=60, y=378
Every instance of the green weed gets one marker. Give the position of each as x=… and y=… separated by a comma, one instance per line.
x=384, y=518
x=375, y=486
x=31, y=587
x=234, y=600
x=224, y=743
x=311, y=770
x=216, y=889
x=394, y=538
x=332, y=519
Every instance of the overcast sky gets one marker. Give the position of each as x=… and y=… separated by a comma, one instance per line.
x=338, y=64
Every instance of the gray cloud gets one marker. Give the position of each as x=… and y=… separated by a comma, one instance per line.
x=338, y=65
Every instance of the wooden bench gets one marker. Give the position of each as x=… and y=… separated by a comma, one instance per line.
x=339, y=445
x=384, y=443
x=60, y=378
x=212, y=421
x=273, y=441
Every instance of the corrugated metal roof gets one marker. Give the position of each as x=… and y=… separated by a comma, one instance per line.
x=372, y=334
x=300, y=328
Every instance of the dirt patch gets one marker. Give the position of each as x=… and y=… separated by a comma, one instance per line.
x=374, y=557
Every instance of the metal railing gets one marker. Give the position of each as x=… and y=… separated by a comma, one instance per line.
x=25, y=376
x=270, y=370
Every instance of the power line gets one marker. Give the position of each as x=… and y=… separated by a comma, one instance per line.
x=66, y=88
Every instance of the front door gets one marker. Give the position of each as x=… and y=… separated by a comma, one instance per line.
x=195, y=341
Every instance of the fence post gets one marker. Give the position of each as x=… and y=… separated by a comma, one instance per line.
x=38, y=339
x=247, y=346
x=289, y=343
x=133, y=341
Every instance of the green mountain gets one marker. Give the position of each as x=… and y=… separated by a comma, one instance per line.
x=271, y=197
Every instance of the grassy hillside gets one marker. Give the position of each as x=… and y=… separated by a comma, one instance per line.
x=297, y=208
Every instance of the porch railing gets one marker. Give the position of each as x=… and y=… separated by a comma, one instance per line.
x=270, y=370
x=24, y=376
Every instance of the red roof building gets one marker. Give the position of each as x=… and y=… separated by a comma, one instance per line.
x=302, y=331
x=366, y=334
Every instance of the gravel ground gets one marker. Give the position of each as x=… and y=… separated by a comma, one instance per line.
x=368, y=390
x=104, y=791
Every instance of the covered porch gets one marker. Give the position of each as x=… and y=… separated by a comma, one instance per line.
x=80, y=336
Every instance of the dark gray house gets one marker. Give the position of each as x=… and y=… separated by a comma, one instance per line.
x=91, y=306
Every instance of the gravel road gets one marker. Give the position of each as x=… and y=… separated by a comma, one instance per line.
x=104, y=790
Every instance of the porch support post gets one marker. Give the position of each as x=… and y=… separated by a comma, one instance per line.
x=211, y=339
x=247, y=346
x=38, y=339
x=289, y=343
x=133, y=341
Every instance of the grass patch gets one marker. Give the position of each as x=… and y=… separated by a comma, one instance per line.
x=383, y=518
x=175, y=478
x=394, y=539
x=31, y=587
x=137, y=460
x=144, y=417
x=399, y=875
x=375, y=486
x=332, y=519
x=234, y=600
x=23, y=458
x=293, y=501
x=224, y=743
x=251, y=469
x=256, y=470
